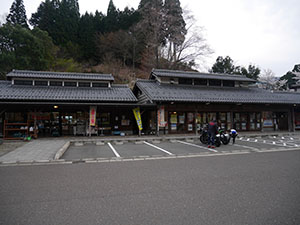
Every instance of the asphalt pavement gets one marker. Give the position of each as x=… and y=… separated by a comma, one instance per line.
x=260, y=189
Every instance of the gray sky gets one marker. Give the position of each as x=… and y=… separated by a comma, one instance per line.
x=262, y=32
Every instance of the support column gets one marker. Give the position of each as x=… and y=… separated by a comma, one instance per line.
x=157, y=123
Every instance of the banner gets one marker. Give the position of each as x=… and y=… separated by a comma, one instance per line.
x=161, y=116
x=138, y=118
x=93, y=115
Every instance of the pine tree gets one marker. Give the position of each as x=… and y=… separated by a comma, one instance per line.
x=17, y=14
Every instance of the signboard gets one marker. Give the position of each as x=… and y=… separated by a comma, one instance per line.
x=138, y=118
x=93, y=110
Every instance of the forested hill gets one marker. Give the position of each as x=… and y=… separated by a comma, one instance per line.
x=127, y=43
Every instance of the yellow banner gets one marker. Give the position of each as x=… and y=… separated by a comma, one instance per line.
x=138, y=118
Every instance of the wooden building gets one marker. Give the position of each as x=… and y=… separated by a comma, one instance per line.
x=187, y=101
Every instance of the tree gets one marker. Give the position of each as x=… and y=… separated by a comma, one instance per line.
x=59, y=19
x=153, y=27
x=175, y=27
x=46, y=18
x=193, y=49
x=224, y=65
x=17, y=14
x=289, y=76
x=22, y=48
x=111, y=21
x=252, y=72
x=270, y=82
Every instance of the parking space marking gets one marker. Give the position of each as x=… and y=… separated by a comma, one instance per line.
x=163, y=150
x=198, y=146
x=252, y=148
x=273, y=143
x=114, y=150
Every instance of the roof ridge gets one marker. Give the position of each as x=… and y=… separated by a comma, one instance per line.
x=57, y=72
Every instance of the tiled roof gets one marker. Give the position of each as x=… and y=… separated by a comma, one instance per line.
x=59, y=75
x=197, y=75
x=117, y=93
x=188, y=93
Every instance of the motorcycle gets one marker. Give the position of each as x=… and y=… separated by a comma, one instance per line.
x=221, y=137
x=224, y=137
x=204, y=137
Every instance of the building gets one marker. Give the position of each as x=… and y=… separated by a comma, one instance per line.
x=188, y=100
x=42, y=104
x=54, y=104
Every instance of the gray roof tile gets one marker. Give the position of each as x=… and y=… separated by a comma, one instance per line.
x=197, y=75
x=117, y=93
x=59, y=75
x=187, y=93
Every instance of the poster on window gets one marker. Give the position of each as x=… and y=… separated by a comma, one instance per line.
x=267, y=119
x=190, y=117
x=181, y=119
x=174, y=118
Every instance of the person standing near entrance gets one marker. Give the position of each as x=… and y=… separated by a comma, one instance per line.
x=212, y=129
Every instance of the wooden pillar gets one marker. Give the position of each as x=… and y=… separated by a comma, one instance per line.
x=195, y=122
x=35, y=128
x=157, y=123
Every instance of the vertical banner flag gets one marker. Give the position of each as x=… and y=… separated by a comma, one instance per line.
x=161, y=116
x=93, y=115
x=137, y=115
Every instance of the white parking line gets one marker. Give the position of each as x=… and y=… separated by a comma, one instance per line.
x=197, y=146
x=163, y=150
x=114, y=150
x=252, y=148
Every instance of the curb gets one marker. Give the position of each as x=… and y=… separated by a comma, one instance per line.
x=62, y=150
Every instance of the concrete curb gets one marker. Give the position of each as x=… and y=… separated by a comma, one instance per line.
x=62, y=150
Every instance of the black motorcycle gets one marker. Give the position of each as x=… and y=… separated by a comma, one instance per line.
x=221, y=136
x=204, y=137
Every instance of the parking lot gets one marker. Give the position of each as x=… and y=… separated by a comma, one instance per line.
x=176, y=147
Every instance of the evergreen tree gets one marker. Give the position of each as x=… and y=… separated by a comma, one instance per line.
x=22, y=48
x=17, y=14
x=46, y=18
x=111, y=21
x=86, y=36
x=252, y=72
x=176, y=30
x=289, y=76
x=153, y=26
x=223, y=65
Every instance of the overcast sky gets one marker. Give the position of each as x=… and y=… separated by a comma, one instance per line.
x=261, y=32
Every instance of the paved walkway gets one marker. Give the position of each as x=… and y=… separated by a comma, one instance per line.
x=34, y=150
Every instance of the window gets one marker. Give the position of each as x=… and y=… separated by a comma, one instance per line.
x=228, y=83
x=184, y=81
x=99, y=84
x=70, y=84
x=84, y=84
x=200, y=82
x=214, y=83
x=41, y=83
x=55, y=83
x=23, y=82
